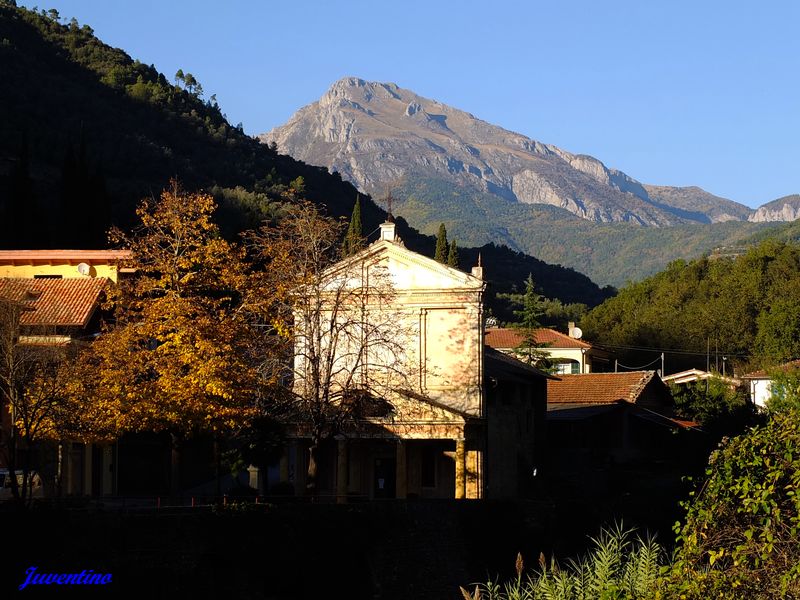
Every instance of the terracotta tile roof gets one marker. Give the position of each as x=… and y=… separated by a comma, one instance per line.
x=498, y=337
x=765, y=373
x=63, y=302
x=598, y=388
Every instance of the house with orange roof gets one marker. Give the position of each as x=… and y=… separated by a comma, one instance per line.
x=614, y=445
x=568, y=353
x=60, y=293
x=59, y=310
x=625, y=416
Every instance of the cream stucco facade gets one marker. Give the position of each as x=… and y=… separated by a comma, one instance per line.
x=427, y=362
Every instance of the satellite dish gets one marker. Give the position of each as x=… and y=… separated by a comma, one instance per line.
x=84, y=268
x=576, y=333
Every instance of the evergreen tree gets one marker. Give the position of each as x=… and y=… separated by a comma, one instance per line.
x=354, y=238
x=452, y=255
x=441, y=245
x=191, y=84
x=532, y=310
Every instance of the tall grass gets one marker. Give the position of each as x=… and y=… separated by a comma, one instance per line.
x=618, y=566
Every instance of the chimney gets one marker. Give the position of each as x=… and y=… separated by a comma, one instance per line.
x=477, y=271
x=387, y=231
x=570, y=327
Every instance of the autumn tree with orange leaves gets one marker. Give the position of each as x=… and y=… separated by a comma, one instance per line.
x=210, y=336
x=185, y=353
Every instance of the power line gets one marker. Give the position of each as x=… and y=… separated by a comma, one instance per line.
x=672, y=350
x=639, y=368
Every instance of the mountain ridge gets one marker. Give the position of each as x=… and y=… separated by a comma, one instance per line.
x=444, y=165
x=378, y=134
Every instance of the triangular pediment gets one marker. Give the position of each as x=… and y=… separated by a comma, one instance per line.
x=410, y=270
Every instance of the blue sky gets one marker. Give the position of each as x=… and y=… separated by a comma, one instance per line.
x=674, y=93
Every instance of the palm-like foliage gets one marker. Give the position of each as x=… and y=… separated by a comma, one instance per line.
x=619, y=566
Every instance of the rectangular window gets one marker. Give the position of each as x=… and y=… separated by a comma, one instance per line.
x=571, y=367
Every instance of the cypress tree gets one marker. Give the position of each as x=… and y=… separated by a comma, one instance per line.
x=441, y=245
x=354, y=238
x=452, y=255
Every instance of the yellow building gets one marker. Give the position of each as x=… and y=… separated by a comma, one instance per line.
x=61, y=291
x=66, y=264
x=568, y=354
x=446, y=417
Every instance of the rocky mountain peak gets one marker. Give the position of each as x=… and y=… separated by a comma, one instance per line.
x=358, y=90
x=378, y=135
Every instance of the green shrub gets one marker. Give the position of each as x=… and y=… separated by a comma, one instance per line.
x=617, y=567
x=739, y=539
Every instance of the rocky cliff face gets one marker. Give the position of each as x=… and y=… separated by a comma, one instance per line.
x=782, y=209
x=378, y=135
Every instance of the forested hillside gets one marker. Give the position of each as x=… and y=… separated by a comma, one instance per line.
x=87, y=131
x=79, y=110
x=745, y=309
x=610, y=253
